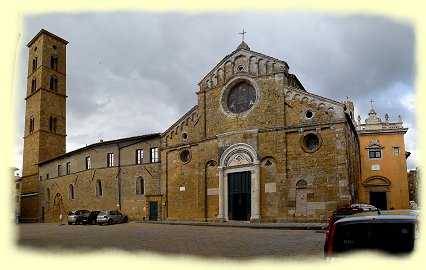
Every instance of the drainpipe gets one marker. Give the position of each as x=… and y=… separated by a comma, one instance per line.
x=119, y=177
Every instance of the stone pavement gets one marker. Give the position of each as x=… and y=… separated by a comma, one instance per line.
x=224, y=240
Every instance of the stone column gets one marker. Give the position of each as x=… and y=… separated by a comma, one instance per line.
x=221, y=191
x=225, y=196
x=255, y=202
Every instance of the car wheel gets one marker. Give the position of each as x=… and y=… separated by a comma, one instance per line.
x=69, y=223
x=110, y=221
x=77, y=222
x=125, y=220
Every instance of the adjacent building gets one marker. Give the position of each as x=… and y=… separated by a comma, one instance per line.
x=118, y=174
x=16, y=192
x=384, y=181
x=414, y=185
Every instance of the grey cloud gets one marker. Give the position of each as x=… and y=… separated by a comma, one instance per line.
x=132, y=73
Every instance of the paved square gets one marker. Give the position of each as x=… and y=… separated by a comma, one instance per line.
x=203, y=241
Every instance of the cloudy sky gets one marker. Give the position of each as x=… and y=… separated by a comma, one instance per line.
x=130, y=73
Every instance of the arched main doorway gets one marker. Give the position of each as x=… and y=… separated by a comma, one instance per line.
x=239, y=184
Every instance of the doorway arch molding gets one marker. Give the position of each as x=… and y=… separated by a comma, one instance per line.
x=377, y=184
x=376, y=180
x=239, y=157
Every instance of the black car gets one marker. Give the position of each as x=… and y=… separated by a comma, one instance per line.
x=391, y=232
x=90, y=218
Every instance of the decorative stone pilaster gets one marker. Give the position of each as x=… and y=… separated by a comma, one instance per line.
x=225, y=195
x=221, y=194
x=255, y=202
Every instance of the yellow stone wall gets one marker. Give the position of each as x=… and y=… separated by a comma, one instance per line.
x=391, y=167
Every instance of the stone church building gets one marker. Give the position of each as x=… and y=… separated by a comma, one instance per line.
x=257, y=147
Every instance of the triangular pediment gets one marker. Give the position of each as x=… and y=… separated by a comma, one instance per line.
x=374, y=144
x=239, y=159
x=244, y=62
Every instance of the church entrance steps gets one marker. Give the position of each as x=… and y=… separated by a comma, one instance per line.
x=247, y=224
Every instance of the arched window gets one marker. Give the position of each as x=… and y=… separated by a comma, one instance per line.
x=301, y=184
x=53, y=83
x=53, y=62
x=140, y=186
x=34, y=63
x=51, y=123
x=54, y=124
x=48, y=195
x=98, y=188
x=71, y=192
x=33, y=85
x=31, y=124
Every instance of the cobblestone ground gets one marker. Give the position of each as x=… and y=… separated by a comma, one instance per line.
x=202, y=241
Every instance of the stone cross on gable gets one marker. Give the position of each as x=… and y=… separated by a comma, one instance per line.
x=242, y=33
x=371, y=101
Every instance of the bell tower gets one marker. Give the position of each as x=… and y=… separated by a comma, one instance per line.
x=45, y=114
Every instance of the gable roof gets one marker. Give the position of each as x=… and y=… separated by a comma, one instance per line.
x=179, y=120
x=243, y=47
x=101, y=143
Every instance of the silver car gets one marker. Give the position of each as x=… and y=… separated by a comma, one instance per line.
x=76, y=216
x=111, y=217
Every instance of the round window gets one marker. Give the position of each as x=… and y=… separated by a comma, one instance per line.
x=309, y=114
x=311, y=141
x=185, y=156
x=54, y=47
x=184, y=136
x=241, y=97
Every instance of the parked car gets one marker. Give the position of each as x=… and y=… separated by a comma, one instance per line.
x=90, y=218
x=76, y=216
x=393, y=232
x=111, y=217
x=413, y=205
x=337, y=214
x=364, y=206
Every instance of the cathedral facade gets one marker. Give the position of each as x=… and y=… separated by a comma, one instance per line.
x=257, y=147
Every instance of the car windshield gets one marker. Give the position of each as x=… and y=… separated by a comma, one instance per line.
x=395, y=238
x=102, y=213
x=70, y=213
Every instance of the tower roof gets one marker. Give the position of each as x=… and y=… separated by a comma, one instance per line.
x=43, y=31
